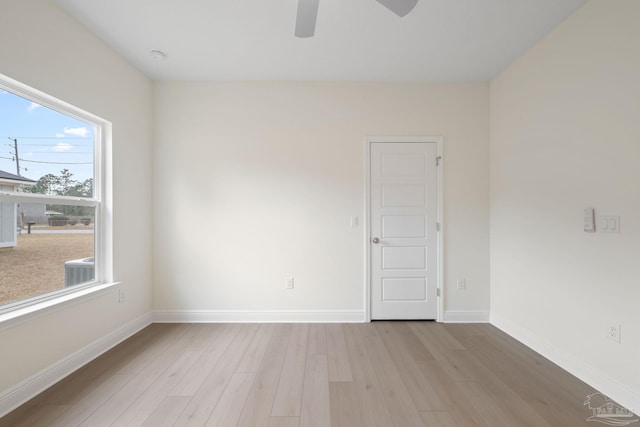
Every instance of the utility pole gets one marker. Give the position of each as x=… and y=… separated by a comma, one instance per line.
x=15, y=147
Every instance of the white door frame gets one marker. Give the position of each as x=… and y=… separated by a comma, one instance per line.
x=369, y=140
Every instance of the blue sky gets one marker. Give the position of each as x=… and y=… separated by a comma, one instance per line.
x=48, y=141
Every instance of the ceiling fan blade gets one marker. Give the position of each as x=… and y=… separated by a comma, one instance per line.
x=306, y=18
x=399, y=7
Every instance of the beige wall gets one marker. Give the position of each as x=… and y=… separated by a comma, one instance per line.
x=565, y=135
x=44, y=48
x=258, y=181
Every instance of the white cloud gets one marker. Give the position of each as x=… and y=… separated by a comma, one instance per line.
x=33, y=106
x=62, y=146
x=59, y=135
x=76, y=131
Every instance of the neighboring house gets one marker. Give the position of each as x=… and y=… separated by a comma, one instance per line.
x=34, y=212
x=8, y=211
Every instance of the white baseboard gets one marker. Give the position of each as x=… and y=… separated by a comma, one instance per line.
x=458, y=316
x=615, y=390
x=36, y=384
x=265, y=316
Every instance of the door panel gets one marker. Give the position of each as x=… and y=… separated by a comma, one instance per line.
x=403, y=195
x=403, y=226
x=402, y=165
x=403, y=258
x=404, y=289
x=403, y=223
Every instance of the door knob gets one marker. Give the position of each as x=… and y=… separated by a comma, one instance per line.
x=375, y=240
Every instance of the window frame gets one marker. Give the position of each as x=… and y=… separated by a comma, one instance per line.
x=101, y=202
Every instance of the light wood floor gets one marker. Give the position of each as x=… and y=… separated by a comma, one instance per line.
x=283, y=375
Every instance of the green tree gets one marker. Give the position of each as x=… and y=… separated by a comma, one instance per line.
x=47, y=184
x=65, y=182
x=64, y=185
x=81, y=189
x=61, y=185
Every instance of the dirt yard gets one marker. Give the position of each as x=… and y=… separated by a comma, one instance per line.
x=36, y=265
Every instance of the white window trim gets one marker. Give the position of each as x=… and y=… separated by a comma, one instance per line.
x=101, y=200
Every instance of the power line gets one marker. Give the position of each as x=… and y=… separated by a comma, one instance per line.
x=75, y=144
x=48, y=153
x=50, y=137
x=61, y=142
x=51, y=163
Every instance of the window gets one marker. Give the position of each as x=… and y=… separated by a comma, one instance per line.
x=53, y=228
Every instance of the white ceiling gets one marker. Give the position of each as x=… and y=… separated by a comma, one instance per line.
x=355, y=40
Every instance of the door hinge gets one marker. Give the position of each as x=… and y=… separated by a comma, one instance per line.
x=438, y=158
x=438, y=291
x=437, y=226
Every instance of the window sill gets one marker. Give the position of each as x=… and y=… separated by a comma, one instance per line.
x=33, y=311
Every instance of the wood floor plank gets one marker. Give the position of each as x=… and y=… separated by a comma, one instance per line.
x=401, y=333
x=530, y=380
x=87, y=385
x=402, y=410
x=481, y=386
x=131, y=351
x=193, y=379
x=152, y=397
x=369, y=394
x=451, y=354
x=257, y=410
x=338, y=356
x=390, y=374
x=204, y=401
x=232, y=402
x=406, y=350
x=500, y=411
x=317, y=343
x=448, y=390
x=315, y=397
x=167, y=412
x=284, y=422
x=134, y=365
x=119, y=402
x=250, y=362
x=288, y=400
x=344, y=405
x=436, y=339
x=542, y=369
x=438, y=419
x=102, y=391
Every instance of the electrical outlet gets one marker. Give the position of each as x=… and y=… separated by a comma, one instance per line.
x=613, y=332
x=461, y=283
x=288, y=282
x=122, y=296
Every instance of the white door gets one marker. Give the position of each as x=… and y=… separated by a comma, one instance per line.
x=403, y=230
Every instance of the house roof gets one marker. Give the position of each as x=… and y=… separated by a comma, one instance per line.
x=15, y=179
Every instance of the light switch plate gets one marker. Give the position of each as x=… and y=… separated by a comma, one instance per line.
x=609, y=223
x=589, y=220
